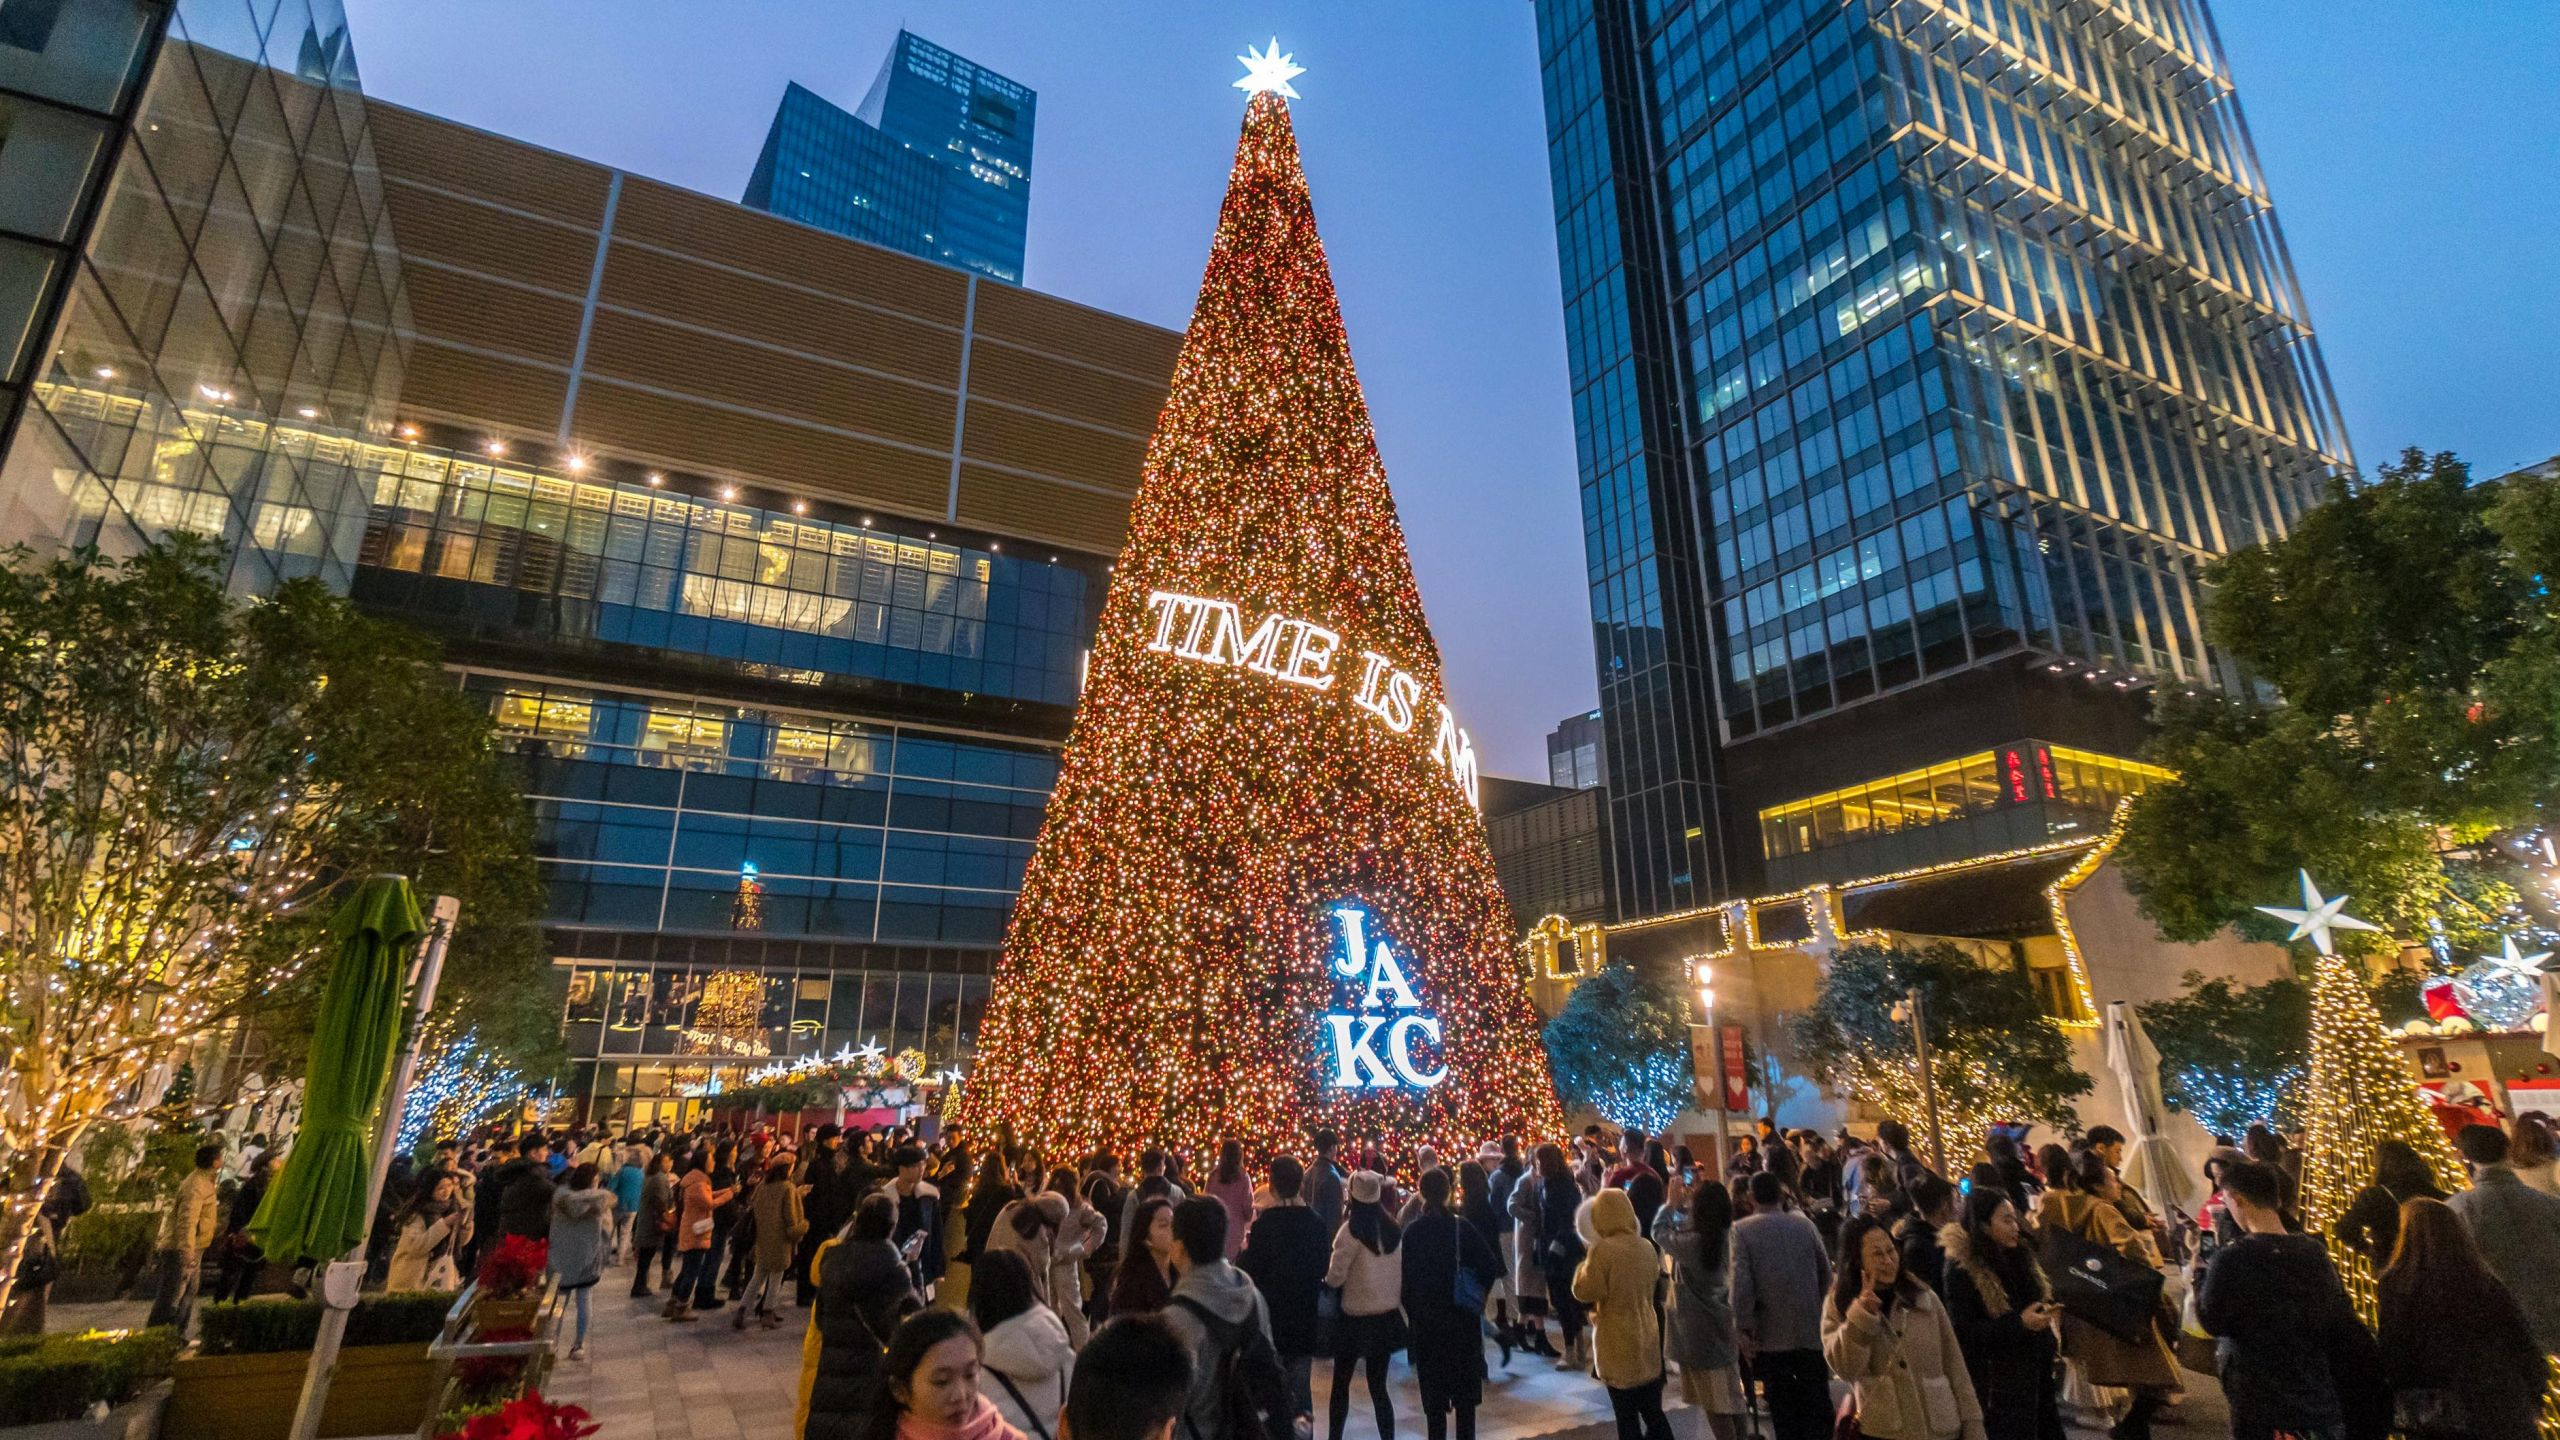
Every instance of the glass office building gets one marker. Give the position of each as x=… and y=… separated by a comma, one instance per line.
x=1923, y=353
x=936, y=161
x=203, y=303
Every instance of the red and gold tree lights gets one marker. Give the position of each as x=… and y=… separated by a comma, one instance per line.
x=1171, y=957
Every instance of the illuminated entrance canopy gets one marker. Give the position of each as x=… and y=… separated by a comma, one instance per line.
x=1303, y=653
x=1372, y=1033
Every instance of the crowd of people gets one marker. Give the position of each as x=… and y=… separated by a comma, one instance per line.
x=1833, y=1285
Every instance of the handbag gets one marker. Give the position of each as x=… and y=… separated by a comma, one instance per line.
x=2097, y=1284
x=1844, y=1422
x=1467, y=1290
x=1328, y=1317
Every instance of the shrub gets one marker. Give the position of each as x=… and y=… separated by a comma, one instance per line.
x=278, y=1324
x=109, y=1238
x=44, y=1378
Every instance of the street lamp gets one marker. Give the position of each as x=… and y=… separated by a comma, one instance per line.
x=1704, y=973
x=1913, y=1011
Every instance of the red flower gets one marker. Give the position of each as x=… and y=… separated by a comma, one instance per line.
x=513, y=1268
x=531, y=1418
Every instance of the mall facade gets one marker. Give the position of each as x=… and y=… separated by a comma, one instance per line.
x=774, y=554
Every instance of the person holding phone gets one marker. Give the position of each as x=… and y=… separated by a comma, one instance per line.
x=1890, y=1337
x=2005, y=1319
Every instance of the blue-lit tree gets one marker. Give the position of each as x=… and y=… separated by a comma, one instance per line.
x=1621, y=1046
x=2232, y=1056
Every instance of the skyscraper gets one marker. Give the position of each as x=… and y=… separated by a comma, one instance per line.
x=1574, y=756
x=1923, y=353
x=936, y=162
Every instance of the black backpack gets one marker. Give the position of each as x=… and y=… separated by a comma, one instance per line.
x=1252, y=1392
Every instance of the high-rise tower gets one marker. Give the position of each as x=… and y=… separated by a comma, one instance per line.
x=1923, y=352
x=936, y=162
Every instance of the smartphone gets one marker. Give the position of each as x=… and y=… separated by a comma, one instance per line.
x=914, y=1247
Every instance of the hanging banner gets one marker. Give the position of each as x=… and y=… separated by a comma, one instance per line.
x=1737, y=1075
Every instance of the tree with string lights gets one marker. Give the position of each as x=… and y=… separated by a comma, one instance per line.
x=185, y=781
x=1261, y=899
x=2359, y=1092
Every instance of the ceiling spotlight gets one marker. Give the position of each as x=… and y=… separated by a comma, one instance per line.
x=497, y=447
x=799, y=507
x=992, y=545
x=106, y=372
x=408, y=432
x=866, y=522
x=728, y=492
x=576, y=464
x=657, y=479
x=307, y=413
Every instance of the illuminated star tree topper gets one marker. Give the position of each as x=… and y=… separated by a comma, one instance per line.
x=1269, y=72
x=1261, y=899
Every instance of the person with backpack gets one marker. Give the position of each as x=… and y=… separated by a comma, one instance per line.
x=1236, y=1386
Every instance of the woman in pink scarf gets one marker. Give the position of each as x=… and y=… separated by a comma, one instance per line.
x=932, y=1373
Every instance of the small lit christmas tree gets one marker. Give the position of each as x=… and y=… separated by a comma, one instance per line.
x=2360, y=1091
x=1261, y=899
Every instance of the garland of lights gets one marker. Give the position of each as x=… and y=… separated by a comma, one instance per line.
x=1175, y=943
x=864, y=1079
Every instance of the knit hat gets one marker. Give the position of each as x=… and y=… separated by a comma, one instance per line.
x=1366, y=1186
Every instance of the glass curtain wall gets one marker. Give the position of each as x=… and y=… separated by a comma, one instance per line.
x=234, y=319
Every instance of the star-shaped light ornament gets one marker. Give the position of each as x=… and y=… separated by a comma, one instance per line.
x=869, y=1052
x=2317, y=917
x=1269, y=71
x=2523, y=967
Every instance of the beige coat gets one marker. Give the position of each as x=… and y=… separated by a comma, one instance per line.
x=779, y=1225
x=2103, y=1359
x=1908, y=1369
x=1617, y=1280
x=194, y=1217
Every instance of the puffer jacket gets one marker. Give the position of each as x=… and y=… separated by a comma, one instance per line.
x=1033, y=1352
x=1617, y=1280
x=1908, y=1368
x=1701, y=1313
x=863, y=1292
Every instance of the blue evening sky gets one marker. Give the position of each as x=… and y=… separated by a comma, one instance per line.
x=2413, y=148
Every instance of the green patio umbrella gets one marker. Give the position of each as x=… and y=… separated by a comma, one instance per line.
x=317, y=1205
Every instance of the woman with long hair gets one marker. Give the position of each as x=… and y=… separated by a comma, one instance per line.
x=2460, y=1359
x=427, y=1234
x=1144, y=1280
x=2005, y=1319
x=2371, y=1226
x=1528, y=1254
x=1889, y=1336
x=993, y=1191
x=1230, y=1185
x=1366, y=1270
x=1693, y=1233
x=1027, y=1357
x=930, y=1375
x=1560, y=1249
x=1080, y=1232
x=581, y=1232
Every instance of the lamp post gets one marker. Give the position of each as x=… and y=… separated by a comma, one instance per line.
x=1915, y=1012
x=1705, y=974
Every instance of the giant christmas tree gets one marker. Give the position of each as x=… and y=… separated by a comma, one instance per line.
x=1262, y=899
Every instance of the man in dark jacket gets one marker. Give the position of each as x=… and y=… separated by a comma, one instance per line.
x=488, y=1187
x=524, y=1191
x=1323, y=1185
x=827, y=1205
x=2294, y=1356
x=1285, y=1254
x=919, y=1231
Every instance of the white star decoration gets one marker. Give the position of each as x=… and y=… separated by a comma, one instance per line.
x=2317, y=917
x=870, y=1053
x=1272, y=71
x=2527, y=967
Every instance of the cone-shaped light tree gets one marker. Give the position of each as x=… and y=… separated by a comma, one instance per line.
x=1262, y=899
x=2360, y=1093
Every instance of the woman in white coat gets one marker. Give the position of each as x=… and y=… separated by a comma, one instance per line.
x=1025, y=1359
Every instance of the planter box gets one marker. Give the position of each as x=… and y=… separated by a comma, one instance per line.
x=380, y=1390
x=136, y=1419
